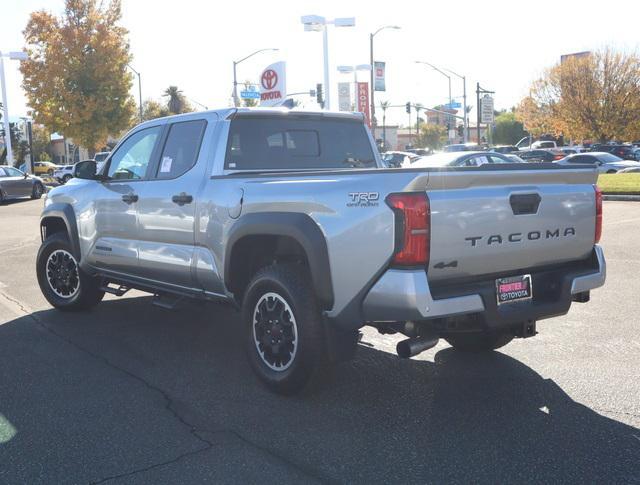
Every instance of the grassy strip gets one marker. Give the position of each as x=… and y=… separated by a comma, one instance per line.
x=623, y=183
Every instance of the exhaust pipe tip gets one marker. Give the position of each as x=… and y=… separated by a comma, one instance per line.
x=414, y=346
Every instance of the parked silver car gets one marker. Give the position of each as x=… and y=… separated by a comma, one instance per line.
x=15, y=184
x=606, y=162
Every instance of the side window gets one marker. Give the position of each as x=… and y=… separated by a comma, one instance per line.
x=477, y=161
x=498, y=159
x=2, y=172
x=582, y=159
x=132, y=158
x=181, y=148
x=13, y=172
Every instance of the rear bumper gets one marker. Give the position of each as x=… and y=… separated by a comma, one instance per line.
x=406, y=295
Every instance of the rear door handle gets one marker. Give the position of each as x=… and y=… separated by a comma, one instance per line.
x=129, y=198
x=182, y=199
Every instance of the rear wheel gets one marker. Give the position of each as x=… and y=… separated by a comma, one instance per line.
x=479, y=341
x=61, y=280
x=37, y=191
x=283, y=328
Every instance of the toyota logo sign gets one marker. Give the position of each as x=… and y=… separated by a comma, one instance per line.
x=269, y=79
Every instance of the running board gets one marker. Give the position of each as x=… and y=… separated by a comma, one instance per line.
x=168, y=302
x=119, y=291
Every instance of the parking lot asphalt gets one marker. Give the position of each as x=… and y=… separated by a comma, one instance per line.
x=130, y=393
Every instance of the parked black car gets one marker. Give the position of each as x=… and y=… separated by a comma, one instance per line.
x=536, y=155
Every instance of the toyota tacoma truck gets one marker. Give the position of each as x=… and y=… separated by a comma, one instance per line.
x=291, y=217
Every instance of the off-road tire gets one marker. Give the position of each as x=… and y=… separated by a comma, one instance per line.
x=87, y=292
x=479, y=341
x=292, y=284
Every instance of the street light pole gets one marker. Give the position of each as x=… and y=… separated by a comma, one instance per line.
x=318, y=23
x=372, y=62
x=449, y=117
x=16, y=56
x=236, y=100
x=325, y=50
x=5, y=114
x=465, y=121
x=139, y=89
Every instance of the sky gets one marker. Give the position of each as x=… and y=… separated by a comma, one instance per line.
x=503, y=45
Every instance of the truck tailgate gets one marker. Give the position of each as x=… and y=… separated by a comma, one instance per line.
x=489, y=222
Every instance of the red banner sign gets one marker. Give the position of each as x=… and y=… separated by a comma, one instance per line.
x=363, y=101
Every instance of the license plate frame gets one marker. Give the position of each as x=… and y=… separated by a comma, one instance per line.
x=514, y=289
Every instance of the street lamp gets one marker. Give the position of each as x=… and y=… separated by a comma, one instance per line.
x=371, y=36
x=465, y=120
x=354, y=70
x=14, y=56
x=236, y=100
x=316, y=23
x=139, y=89
x=449, y=78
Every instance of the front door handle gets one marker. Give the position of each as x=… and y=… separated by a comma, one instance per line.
x=129, y=198
x=182, y=199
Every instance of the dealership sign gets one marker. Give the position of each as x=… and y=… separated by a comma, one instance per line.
x=273, y=84
x=363, y=101
x=486, y=109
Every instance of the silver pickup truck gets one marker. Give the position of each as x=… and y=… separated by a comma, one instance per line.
x=290, y=217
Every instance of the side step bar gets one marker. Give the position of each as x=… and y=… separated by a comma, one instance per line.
x=119, y=291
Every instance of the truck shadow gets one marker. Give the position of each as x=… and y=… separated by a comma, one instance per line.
x=460, y=418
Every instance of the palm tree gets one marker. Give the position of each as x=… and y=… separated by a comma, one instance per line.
x=176, y=103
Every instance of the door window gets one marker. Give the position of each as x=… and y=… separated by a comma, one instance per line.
x=131, y=160
x=13, y=172
x=181, y=148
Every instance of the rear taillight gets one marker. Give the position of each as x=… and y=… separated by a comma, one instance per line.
x=598, y=213
x=559, y=156
x=413, y=228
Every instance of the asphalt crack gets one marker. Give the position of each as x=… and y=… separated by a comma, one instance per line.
x=193, y=430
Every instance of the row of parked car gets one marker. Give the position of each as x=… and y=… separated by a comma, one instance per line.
x=610, y=158
x=61, y=173
x=606, y=162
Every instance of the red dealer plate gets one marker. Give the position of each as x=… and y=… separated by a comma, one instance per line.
x=515, y=288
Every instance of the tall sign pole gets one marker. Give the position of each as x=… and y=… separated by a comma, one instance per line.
x=5, y=114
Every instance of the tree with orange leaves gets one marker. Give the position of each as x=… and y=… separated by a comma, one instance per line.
x=76, y=77
x=596, y=96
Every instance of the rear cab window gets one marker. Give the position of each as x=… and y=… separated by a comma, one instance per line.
x=297, y=143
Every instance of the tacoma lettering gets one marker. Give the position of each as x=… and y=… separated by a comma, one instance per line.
x=517, y=237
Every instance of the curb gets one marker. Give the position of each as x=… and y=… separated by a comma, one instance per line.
x=621, y=197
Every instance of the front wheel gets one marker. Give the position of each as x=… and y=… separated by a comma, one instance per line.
x=479, y=341
x=61, y=280
x=283, y=328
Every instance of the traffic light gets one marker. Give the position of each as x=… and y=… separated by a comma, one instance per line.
x=461, y=130
x=408, y=107
x=319, y=95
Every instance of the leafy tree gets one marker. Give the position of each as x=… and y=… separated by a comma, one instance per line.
x=76, y=79
x=152, y=109
x=597, y=97
x=176, y=102
x=508, y=130
x=41, y=142
x=432, y=136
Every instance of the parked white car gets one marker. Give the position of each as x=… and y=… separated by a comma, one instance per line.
x=63, y=174
x=606, y=162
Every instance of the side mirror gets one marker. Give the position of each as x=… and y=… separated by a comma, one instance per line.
x=85, y=170
x=26, y=175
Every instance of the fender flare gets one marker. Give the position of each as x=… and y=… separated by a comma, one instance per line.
x=303, y=229
x=61, y=210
